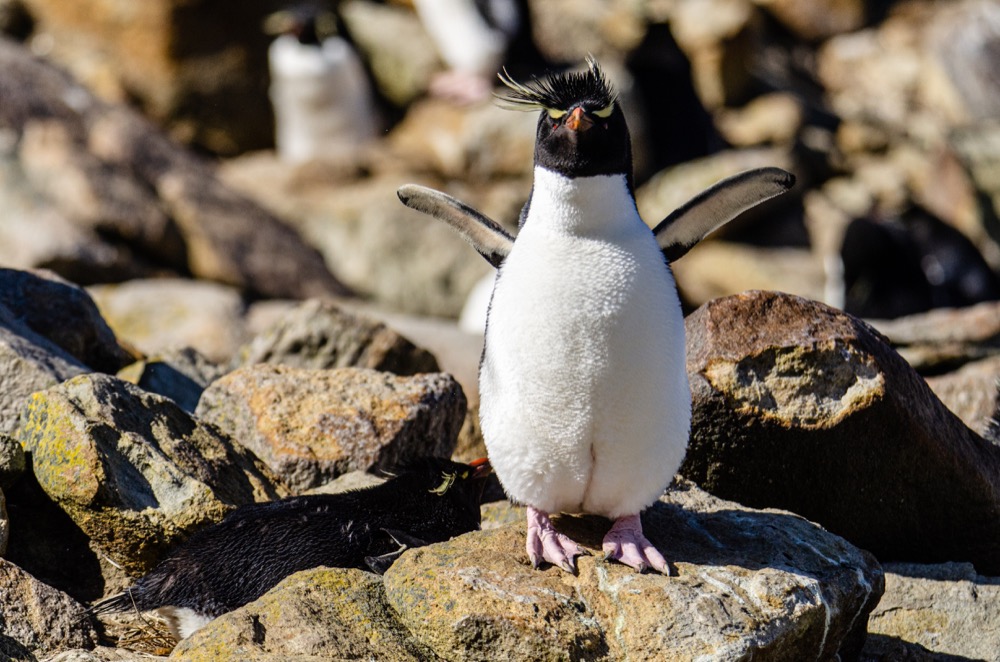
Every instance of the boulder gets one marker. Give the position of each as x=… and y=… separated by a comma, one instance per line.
x=310, y=426
x=947, y=609
x=36, y=619
x=802, y=407
x=102, y=654
x=28, y=363
x=319, y=335
x=165, y=314
x=400, y=53
x=151, y=205
x=814, y=21
x=64, y=314
x=971, y=392
x=45, y=542
x=198, y=71
x=569, y=30
x=767, y=585
x=390, y=254
x=12, y=461
x=324, y=613
x=944, y=339
x=181, y=375
x=134, y=471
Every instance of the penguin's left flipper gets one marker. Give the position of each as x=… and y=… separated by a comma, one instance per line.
x=486, y=235
x=716, y=206
x=379, y=564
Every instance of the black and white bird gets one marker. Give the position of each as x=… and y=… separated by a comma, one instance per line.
x=227, y=565
x=320, y=92
x=585, y=404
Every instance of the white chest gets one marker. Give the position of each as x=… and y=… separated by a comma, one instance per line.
x=584, y=359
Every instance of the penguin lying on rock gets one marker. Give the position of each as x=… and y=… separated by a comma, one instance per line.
x=585, y=404
x=234, y=562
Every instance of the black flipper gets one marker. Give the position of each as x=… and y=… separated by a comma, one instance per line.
x=716, y=206
x=486, y=235
x=379, y=564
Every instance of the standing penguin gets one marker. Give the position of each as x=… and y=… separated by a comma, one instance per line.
x=585, y=404
x=322, y=98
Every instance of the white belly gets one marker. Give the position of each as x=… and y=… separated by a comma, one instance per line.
x=585, y=404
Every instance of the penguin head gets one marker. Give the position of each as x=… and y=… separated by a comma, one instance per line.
x=310, y=23
x=581, y=128
x=445, y=479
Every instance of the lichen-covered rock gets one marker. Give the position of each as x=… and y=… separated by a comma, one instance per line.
x=133, y=470
x=38, y=618
x=64, y=314
x=318, y=334
x=310, y=426
x=802, y=407
x=761, y=584
x=325, y=613
x=948, y=609
x=28, y=363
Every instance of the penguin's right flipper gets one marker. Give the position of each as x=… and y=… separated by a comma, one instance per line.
x=486, y=235
x=716, y=206
x=379, y=564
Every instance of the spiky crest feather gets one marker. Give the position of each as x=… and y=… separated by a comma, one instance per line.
x=590, y=88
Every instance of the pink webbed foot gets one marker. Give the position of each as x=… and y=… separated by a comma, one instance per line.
x=544, y=543
x=626, y=544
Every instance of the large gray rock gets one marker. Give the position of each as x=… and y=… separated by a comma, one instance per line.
x=165, y=314
x=325, y=613
x=802, y=407
x=28, y=363
x=947, y=609
x=767, y=585
x=106, y=171
x=310, y=426
x=320, y=335
x=134, y=471
x=64, y=314
x=37, y=618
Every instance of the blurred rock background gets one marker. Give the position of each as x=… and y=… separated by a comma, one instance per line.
x=138, y=158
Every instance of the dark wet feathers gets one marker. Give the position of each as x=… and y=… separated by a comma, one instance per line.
x=227, y=565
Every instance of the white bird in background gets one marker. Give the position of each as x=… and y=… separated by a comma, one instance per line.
x=320, y=92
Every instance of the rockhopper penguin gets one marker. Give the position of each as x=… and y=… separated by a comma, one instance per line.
x=585, y=405
x=225, y=566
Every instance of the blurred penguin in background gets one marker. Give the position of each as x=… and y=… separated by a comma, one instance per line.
x=320, y=91
x=475, y=38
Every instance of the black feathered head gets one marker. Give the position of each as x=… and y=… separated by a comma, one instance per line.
x=581, y=129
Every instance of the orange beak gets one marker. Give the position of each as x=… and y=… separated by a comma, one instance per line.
x=578, y=120
x=482, y=467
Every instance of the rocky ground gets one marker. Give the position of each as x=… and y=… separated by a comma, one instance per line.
x=187, y=325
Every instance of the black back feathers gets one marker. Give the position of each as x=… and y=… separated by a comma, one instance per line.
x=237, y=560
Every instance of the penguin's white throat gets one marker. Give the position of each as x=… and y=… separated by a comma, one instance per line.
x=579, y=205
